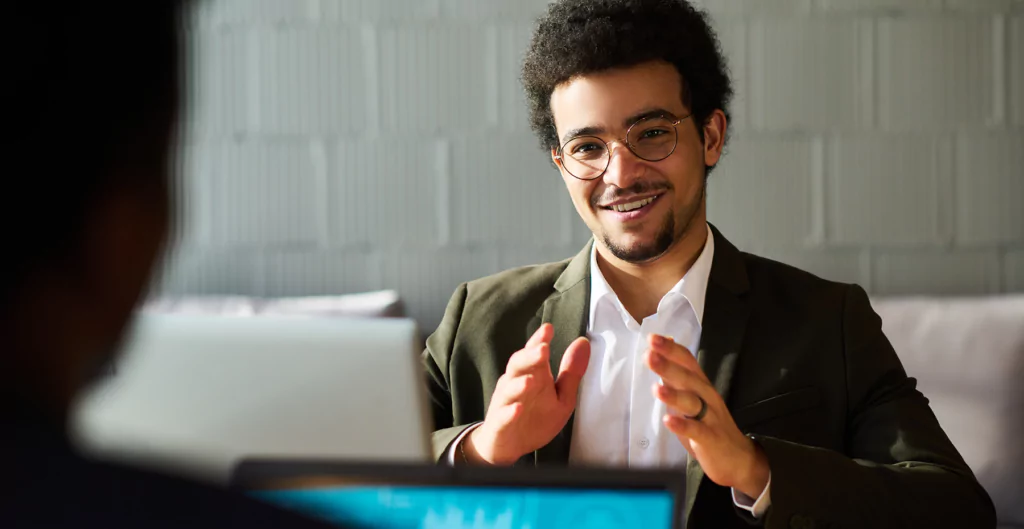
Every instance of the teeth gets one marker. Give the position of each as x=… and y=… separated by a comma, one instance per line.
x=622, y=208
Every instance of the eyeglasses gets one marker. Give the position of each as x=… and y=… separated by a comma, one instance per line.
x=652, y=139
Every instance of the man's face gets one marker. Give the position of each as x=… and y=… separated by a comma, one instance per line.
x=604, y=105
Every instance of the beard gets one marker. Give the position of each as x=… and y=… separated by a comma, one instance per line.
x=667, y=234
x=645, y=251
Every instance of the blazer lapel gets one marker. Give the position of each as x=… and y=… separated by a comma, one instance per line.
x=725, y=319
x=566, y=310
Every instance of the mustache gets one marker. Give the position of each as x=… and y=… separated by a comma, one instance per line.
x=639, y=188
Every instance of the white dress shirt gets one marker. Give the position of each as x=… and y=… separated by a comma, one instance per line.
x=618, y=419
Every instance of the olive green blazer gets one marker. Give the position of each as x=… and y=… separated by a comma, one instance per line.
x=801, y=362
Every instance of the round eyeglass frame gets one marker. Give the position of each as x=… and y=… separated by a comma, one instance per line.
x=625, y=142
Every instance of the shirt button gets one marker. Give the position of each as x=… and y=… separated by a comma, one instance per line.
x=644, y=443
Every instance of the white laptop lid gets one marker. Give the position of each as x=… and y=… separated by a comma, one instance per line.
x=196, y=393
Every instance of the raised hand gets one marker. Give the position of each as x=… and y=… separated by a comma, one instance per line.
x=530, y=405
x=702, y=422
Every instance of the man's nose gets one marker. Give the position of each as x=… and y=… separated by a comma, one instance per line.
x=624, y=167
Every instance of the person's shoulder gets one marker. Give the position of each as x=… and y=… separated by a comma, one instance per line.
x=537, y=277
x=512, y=296
x=85, y=493
x=790, y=286
x=172, y=496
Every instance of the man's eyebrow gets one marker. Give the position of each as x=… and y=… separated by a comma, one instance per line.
x=650, y=113
x=582, y=131
x=594, y=131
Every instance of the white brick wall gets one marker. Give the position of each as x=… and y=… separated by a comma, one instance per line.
x=348, y=145
x=759, y=172
x=937, y=71
x=887, y=189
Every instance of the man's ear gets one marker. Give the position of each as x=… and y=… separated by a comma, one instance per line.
x=715, y=127
x=555, y=159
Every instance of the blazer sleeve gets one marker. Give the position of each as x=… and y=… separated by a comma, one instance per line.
x=899, y=469
x=436, y=361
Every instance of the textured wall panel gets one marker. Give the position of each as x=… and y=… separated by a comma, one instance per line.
x=732, y=35
x=506, y=190
x=936, y=72
x=763, y=190
x=205, y=271
x=835, y=265
x=746, y=7
x=1013, y=271
x=998, y=6
x=310, y=81
x=321, y=273
x=427, y=280
x=387, y=192
x=218, y=93
x=806, y=75
x=264, y=194
x=1015, y=97
x=935, y=272
x=257, y=12
x=432, y=78
x=580, y=234
x=876, y=6
x=511, y=43
x=516, y=255
x=192, y=222
x=499, y=10
x=888, y=190
x=356, y=11
x=989, y=191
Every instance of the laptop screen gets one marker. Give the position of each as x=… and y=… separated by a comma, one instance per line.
x=517, y=507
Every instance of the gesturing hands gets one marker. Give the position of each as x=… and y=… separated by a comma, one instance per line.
x=727, y=457
x=529, y=406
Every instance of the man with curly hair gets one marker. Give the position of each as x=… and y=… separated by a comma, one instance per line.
x=661, y=344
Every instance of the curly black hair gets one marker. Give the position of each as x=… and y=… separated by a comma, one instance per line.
x=577, y=37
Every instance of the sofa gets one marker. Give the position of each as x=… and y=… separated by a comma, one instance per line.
x=968, y=357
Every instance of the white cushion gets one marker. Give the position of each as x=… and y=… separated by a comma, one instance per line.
x=968, y=357
x=381, y=304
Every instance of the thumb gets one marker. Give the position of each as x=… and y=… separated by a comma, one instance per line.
x=570, y=372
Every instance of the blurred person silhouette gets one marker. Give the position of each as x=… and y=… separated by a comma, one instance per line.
x=91, y=98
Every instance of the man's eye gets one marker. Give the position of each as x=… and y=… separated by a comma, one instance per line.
x=652, y=133
x=586, y=148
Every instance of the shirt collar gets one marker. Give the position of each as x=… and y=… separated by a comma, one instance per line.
x=693, y=286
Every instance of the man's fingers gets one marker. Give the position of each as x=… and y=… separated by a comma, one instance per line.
x=520, y=386
x=543, y=334
x=684, y=403
x=534, y=354
x=571, y=371
x=675, y=375
x=695, y=431
x=675, y=353
x=530, y=361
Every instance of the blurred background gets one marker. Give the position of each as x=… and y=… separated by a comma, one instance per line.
x=342, y=146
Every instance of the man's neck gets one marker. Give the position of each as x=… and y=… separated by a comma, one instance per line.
x=640, y=286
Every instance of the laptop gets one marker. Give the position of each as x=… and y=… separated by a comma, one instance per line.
x=407, y=496
x=194, y=394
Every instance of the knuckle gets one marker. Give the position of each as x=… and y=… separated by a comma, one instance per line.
x=693, y=401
